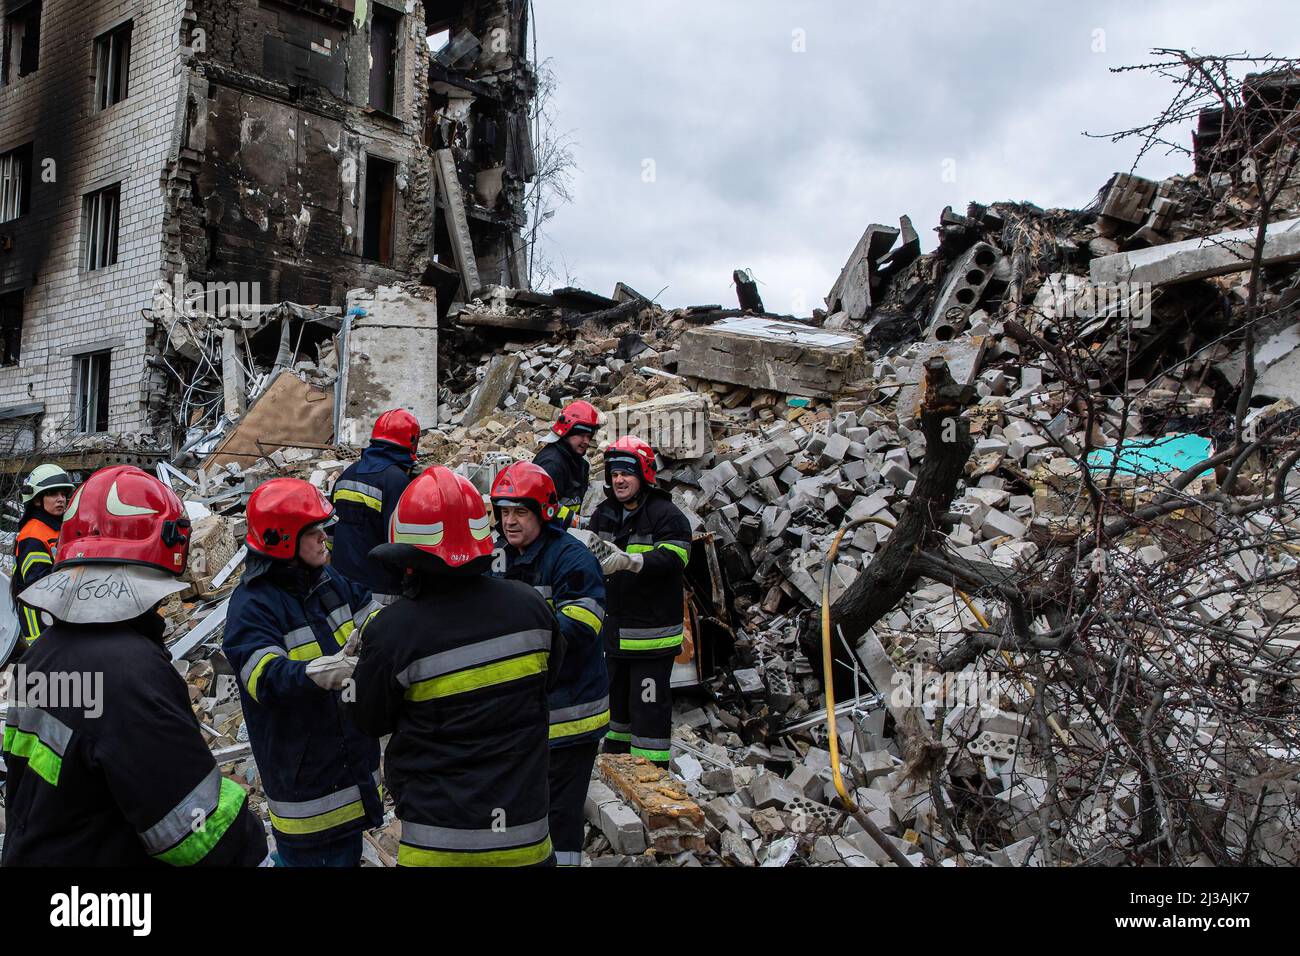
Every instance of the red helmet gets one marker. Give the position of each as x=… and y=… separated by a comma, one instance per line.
x=280, y=511
x=580, y=417
x=524, y=483
x=631, y=450
x=398, y=427
x=125, y=516
x=443, y=515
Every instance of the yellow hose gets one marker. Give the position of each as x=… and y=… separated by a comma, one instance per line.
x=895, y=854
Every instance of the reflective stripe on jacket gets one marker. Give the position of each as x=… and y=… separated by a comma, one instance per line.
x=34, y=554
x=122, y=775
x=644, y=609
x=319, y=772
x=458, y=675
x=567, y=575
x=365, y=497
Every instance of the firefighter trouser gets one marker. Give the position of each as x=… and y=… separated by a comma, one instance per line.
x=345, y=852
x=640, y=707
x=570, y=774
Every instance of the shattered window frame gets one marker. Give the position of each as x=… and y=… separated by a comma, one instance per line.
x=15, y=182
x=27, y=59
x=101, y=214
x=113, y=66
x=12, y=304
x=93, y=370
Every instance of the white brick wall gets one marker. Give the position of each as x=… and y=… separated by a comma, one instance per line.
x=129, y=142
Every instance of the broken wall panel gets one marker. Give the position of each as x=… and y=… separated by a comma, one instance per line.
x=391, y=362
x=777, y=356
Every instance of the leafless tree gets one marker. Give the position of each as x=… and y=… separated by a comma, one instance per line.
x=1150, y=642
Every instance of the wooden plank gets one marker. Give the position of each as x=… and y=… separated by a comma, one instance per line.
x=289, y=413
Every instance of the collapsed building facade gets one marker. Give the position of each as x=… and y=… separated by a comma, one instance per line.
x=1103, y=552
x=172, y=173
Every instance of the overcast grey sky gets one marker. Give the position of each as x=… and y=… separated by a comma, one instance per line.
x=773, y=159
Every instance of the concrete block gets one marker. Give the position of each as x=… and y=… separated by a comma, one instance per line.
x=998, y=523
x=622, y=828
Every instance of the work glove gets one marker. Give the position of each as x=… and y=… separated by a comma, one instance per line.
x=619, y=560
x=332, y=672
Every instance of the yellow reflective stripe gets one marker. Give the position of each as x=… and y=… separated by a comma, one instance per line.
x=257, y=672
x=36, y=557
x=322, y=821
x=582, y=616
x=347, y=494
x=572, y=727
x=643, y=548
x=680, y=552
x=41, y=760
x=33, y=624
x=649, y=644
x=303, y=652
x=341, y=635
x=516, y=856
x=474, y=678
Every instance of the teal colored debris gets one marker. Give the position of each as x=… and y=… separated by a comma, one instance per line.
x=1153, y=456
x=798, y=402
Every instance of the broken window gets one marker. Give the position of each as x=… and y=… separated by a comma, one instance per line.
x=11, y=326
x=383, y=59
x=112, y=66
x=377, y=231
x=101, y=213
x=92, y=392
x=15, y=182
x=22, y=42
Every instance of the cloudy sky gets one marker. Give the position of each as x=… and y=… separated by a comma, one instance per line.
x=766, y=134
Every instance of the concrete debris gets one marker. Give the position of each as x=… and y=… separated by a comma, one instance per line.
x=774, y=434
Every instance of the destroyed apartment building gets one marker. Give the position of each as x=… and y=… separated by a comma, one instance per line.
x=1042, y=477
x=189, y=187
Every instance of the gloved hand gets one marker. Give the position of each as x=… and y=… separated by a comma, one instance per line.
x=330, y=673
x=619, y=560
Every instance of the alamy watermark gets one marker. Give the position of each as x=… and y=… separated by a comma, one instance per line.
x=186, y=298
x=1068, y=299
x=919, y=687
x=70, y=690
x=675, y=432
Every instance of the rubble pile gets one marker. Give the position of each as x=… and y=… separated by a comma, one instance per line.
x=1103, y=347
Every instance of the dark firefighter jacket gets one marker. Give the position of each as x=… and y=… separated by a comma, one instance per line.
x=34, y=554
x=365, y=497
x=118, y=774
x=643, y=610
x=458, y=675
x=567, y=575
x=571, y=473
x=321, y=775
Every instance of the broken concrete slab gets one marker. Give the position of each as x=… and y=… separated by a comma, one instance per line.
x=391, y=362
x=496, y=383
x=1198, y=258
x=783, y=357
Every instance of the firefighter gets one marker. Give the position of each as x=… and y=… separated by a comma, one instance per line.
x=457, y=671
x=533, y=549
x=648, y=545
x=107, y=765
x=288, y=629
x=565, y=457
x=365, y=496
x=45, y=496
